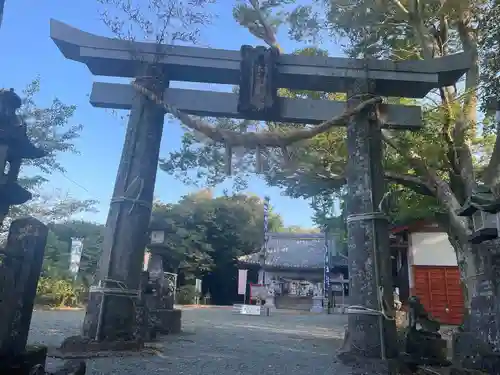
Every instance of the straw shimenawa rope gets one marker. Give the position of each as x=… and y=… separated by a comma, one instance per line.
x=254, y=140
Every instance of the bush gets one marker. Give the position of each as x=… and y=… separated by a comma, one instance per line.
x=185, y=295
x=58, y=292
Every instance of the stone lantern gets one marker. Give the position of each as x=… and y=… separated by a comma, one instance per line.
x=483, y=207
x=14, y=147
x=156, y=237
x=160, y=301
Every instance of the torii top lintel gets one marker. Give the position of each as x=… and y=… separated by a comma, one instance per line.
x=119, y=58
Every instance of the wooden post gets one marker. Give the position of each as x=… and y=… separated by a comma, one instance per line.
x=126, y=234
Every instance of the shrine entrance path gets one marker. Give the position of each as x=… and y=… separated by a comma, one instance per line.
x=216, y=341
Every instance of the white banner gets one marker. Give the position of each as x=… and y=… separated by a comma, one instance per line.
x=76, y=256
x=147, y=255
x=242, y=281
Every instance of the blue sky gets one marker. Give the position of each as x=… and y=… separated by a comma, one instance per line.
x=29, y=51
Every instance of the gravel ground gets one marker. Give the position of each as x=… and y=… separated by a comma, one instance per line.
x=216, y=341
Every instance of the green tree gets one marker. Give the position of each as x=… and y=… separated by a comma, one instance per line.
x=206, y=235
x=186, y=248
x=299, y=229
x=91, y=235
x=431, y=171
x=50, y=128
x=56, y=259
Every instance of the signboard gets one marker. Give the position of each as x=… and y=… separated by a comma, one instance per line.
x=157, y=237
x=242, y=281
x=250, y=310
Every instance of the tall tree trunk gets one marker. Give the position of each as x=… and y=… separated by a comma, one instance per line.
x=469, y=269
x=467, y=259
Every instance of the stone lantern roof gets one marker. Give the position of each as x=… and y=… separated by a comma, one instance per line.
x=481, y=199
x=483, y=206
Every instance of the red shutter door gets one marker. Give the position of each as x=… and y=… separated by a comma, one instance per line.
x=440, y=292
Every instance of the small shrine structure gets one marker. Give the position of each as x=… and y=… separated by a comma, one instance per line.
x=294, y=267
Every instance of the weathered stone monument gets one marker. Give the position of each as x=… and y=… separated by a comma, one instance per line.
x=259, y=72
x=477, y=344
x=160, y=302
x=22, y=256
x=424, y=344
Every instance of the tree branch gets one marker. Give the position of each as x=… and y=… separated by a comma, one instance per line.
x=402, y=9
x=414, y=183
x=270, y=36
x=255, y=140
x=440, y=188
x=459, y=153
x=421, y=32
x=2, y=6
x=465, y=124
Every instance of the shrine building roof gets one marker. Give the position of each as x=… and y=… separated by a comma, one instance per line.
x=296, y=250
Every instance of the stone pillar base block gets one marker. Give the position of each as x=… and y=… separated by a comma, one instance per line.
x=167, y=321
x=72, y=368
x=23, y=363
x=358, y=364
x=78, y=347
x=317, y=306
x=270, y=302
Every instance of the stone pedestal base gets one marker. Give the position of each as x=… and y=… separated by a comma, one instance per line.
x=317, y=306
x=360, y=365
x=23, y=363
x=428, y=349
x=72, y=368
x=167, y=321
x=473, y=353
x=357, y=364
x=79, y=345
x=270, y=302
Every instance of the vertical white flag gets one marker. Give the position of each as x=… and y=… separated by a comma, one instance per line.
x=242, y=281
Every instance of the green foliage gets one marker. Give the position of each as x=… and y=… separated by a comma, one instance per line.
x=91, y=235
x=50, y=128
x=185, y=295
x=58, y=292
x=489, y=37
x=160, y=21
x=57, y=286
x=380, y=29
x=206, y=235
x=57, y=257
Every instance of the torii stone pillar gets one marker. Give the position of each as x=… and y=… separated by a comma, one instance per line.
x=370, y=335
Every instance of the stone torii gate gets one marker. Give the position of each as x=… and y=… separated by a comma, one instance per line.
x=129, y=214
